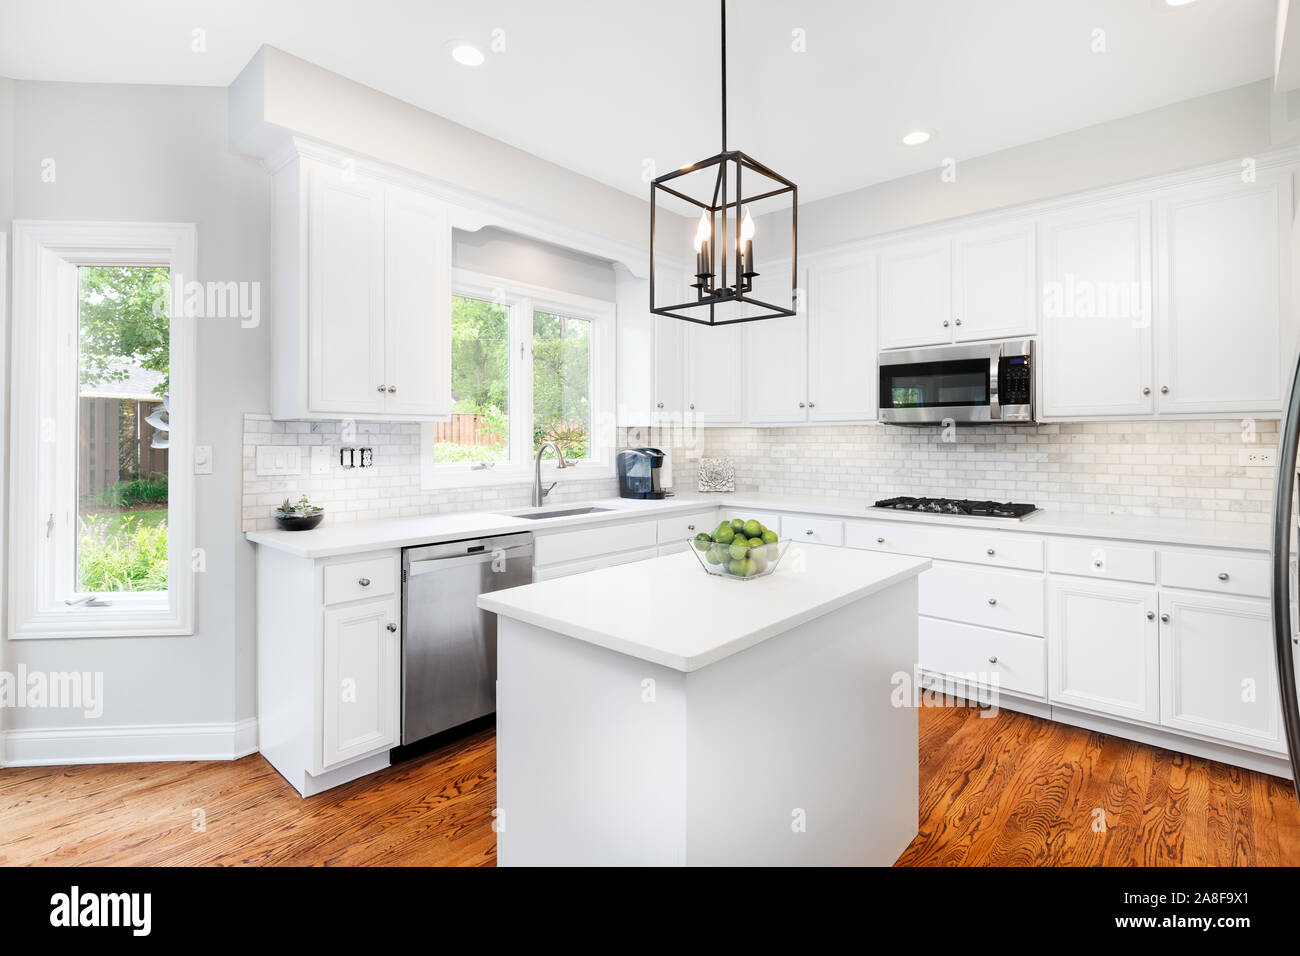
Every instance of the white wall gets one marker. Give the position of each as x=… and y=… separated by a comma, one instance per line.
x=150, y=153
x=496, y=252
x=1227, y=125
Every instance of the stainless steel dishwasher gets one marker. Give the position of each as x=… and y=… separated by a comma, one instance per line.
x=449, y=646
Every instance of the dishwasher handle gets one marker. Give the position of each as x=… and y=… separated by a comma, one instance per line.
x=430, y=565
x=461, y=553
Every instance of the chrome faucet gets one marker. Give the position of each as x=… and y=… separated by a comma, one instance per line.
x=538, y=493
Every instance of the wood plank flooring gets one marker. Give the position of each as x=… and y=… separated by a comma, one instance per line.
x=1011, y=790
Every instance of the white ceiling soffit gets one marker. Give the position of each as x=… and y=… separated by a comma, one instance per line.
x=822, y=92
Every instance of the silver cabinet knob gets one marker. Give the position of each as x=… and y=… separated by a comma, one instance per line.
x=809, y=531
x=364, y=582
x=1164, y=389
x=993, y=659
x=812, y=404
x=1223, y=575
x=880, y=541
x=690, y=527
x=1164, y=618
x=391, y=389
x=992, y=601
x=991, y=552
x=380, y=388
x=945, y=323
x=1151, y=615
x=1097, y=563
x=659, y=405
x=392, y=627
x=801, y=405
x=1146, y=390
x=692, y=406
x=958, y=321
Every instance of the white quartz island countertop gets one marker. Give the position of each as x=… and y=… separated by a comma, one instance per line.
x=669, y=611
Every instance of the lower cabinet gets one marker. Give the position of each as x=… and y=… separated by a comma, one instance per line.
x=1217, y=673
x=360, y=699
x=1104, y=648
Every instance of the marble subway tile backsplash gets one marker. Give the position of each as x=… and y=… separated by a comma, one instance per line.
x=1175, y=469
x=390, y=488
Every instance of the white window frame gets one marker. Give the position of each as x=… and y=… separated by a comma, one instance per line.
x=522, y=299
x=43, y=377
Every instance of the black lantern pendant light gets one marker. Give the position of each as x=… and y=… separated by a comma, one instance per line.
x=721, y=290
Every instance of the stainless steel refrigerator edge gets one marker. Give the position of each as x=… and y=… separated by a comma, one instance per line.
x=449, y=645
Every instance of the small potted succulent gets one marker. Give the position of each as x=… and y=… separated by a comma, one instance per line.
x=300, y=517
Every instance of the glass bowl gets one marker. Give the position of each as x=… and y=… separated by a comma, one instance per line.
x=736, y=561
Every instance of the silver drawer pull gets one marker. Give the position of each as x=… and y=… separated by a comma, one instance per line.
x=392, y=627
x=880, y=541
x=992, y=601
x=380, y=389
x=809, y=531
x=364, y=582
x=1151, y=615
x=690, y=527
x=1223, y=575
x=993, y=659
x=1164, y=618
x=391, y=389
x=990, y=552
x=1097, y=563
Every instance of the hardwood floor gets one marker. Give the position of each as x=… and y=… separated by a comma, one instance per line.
x=1011, y=790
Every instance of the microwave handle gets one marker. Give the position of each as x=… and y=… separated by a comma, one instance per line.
x=995, y=359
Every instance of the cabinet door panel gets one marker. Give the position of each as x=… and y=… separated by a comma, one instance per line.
x=715, y=377
x=1104, y=648
x=776, y=368
x=842, y=341
x=1217, y=675
x=1221, y=259
x=417, y=300
x=916, y=295
x=346, y=295
x=1096, y=326
x=994, y=291
x=359, y=704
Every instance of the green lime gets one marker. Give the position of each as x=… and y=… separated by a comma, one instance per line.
x=741, y=568
x=755, y=542
x=739, y=549
x=737, y=524
x=753, y=529
x=769, y=537
x=759, y=560
x=723, y=535
x=715, y=554
x=702, y=541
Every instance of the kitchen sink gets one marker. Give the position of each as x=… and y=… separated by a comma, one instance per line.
x=560, y=513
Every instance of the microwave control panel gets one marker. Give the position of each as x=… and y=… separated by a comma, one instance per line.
x=1014, y=376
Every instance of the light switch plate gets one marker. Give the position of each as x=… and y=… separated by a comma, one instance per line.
x=202, y=459
x=320, y=460
x=274, y=460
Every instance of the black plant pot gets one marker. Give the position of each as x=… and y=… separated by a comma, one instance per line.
x=300, y=522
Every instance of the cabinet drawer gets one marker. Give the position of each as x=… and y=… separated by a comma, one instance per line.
x=947, y=544
x=354, y=580
x=682, y=527
x=589, y=542
x=1016, y=662
x=990, y=597
x=1102, y=559
x=595, y=564
x=814, y=530
x=1210, y=571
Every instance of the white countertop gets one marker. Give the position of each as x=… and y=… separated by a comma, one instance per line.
x=356, y=537
x=669, y=611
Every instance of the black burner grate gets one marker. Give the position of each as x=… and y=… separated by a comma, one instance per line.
x=959, y=506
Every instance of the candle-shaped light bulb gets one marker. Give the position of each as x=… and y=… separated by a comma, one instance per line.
x=702, y=247
x=747, y=245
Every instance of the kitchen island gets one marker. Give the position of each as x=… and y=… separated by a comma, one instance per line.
x=651, y=714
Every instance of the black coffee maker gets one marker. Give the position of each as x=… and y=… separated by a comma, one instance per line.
x=638, y=473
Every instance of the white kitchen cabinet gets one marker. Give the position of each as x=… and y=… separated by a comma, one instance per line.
x=360, y=698
x=651, y=359
x=345, y=302
x=994, y=292
x=715, y=374
x=776, y=370
x=669, y=371
x=417, y=327
x=362, y=320
x=1223, y=268
x=1104, y=647
x=1096, y=354
x=916, y=294
x=1217, y=673
x=841, y=302
x=812, y=530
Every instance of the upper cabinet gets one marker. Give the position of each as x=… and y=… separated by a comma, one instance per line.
x=776, y=355
x=715, y=374
x=916, y=295
x=842, y=369
x=363, y=280
x=1222, y=277
x=977, y=284
x=1096, y=333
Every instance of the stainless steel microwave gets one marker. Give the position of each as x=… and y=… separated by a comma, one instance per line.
x=988, y=382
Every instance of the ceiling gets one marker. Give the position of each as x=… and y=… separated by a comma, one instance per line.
x=602, y=87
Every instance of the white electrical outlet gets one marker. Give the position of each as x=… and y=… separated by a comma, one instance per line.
x=1256, y=457
x=202, y=459
x=320, y=459
x=273, y=460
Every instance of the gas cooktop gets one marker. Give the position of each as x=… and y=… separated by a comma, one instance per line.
x=961, y=507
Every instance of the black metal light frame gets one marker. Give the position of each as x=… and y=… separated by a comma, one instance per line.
x=734, y=290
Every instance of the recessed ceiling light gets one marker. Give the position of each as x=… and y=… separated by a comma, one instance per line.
x=917, y=137
x=1178, y=3
x=467, y=54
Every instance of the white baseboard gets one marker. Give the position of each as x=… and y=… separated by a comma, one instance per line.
x=139, y=743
